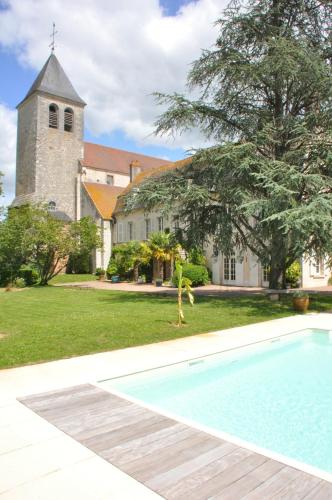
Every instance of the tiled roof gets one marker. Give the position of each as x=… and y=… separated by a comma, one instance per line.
x=116, y=160
x=53, y=80
x=104, y=197
x=145, y=175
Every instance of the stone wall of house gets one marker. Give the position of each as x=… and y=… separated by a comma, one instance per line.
x=248, y=271
x=139, y=225
x=94, y=175
x=48, y=158
x=100, y=256
x=314, y=274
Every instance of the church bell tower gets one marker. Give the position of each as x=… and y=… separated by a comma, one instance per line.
x=50, y=142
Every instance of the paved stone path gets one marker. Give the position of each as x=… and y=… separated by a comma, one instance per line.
x=208, y=290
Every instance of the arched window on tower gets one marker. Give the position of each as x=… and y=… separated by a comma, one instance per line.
x=51, y=206
x=53, y=115
x=69, y=119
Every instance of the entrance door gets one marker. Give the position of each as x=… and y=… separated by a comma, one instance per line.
x=229, y=270
x=233, y=271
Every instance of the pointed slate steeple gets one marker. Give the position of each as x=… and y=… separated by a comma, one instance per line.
x=53, y=80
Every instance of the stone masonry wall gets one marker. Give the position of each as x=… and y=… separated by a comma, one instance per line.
x=58, y=155
x=26, y=147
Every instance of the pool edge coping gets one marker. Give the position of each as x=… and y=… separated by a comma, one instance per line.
x=302, y=466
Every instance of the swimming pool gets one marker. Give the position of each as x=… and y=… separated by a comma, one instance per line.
x=276, y=395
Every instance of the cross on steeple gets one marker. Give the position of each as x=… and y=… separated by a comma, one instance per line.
x=52, y=45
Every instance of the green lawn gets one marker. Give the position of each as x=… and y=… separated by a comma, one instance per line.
x=72, y=278
x=41, y=324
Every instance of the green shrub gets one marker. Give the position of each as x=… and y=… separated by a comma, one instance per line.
x=100, y=271
x=19, y=283
x=112, y=269
x=196, y=256
x=293, y=274
x=198, y=275
x=79, y=264
x=29, y=274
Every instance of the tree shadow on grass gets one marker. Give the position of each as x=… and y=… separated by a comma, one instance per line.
x=255, y=305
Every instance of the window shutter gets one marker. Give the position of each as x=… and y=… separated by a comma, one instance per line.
x=120, y=232
x=68, y=126
x=53, y=116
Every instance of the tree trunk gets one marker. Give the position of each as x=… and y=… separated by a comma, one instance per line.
x=278, y=262
x=172, y=266
x=161, y=269
x=180, y=313
x=136, y=272
x=275, y=275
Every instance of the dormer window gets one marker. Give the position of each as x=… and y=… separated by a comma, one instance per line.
x=53, y=114
x=69, y=118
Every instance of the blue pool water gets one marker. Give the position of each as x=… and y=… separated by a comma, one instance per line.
x=277, y=395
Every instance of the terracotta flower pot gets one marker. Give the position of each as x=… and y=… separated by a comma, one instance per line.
x=301, y=303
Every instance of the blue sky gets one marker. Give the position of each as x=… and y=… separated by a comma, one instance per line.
x=115, y=72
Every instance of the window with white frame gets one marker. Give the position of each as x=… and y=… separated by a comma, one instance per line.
x=233, y=269
x=120, y=232
x=160, y=223
x=229, y=268
x=147, y=228
x=317, y=267
x=226, y=268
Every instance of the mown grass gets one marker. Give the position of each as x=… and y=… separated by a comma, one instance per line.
x=72, y=278
x=48, y=323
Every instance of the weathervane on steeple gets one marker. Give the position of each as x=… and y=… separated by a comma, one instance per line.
x=52, y=45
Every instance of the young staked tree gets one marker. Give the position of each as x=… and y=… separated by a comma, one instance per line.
x=265, y=100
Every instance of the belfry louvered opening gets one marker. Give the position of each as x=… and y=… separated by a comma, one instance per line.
x=53, y=113
x=69, y=119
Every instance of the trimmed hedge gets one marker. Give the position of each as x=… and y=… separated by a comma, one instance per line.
x=198, y=275
x=29, y=274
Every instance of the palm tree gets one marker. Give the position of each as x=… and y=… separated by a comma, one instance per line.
x=164, y=248
x=129, y=256
x=140, y=254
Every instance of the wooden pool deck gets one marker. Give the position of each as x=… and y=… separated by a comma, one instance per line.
x=172, y=459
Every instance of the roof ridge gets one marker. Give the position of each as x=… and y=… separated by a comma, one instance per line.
x=127, y=151
x=53, y=80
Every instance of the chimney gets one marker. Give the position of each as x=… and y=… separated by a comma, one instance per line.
x=135, y=169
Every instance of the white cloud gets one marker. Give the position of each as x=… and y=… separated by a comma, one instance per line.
x=116, y=54
x=7, y=151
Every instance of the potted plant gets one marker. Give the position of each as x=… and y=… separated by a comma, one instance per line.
x=100, y=273
x=300, y=301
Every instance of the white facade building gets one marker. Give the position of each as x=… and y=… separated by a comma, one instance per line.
x=76, y=179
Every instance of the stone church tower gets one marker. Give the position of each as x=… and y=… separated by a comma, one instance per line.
x=50, y=142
